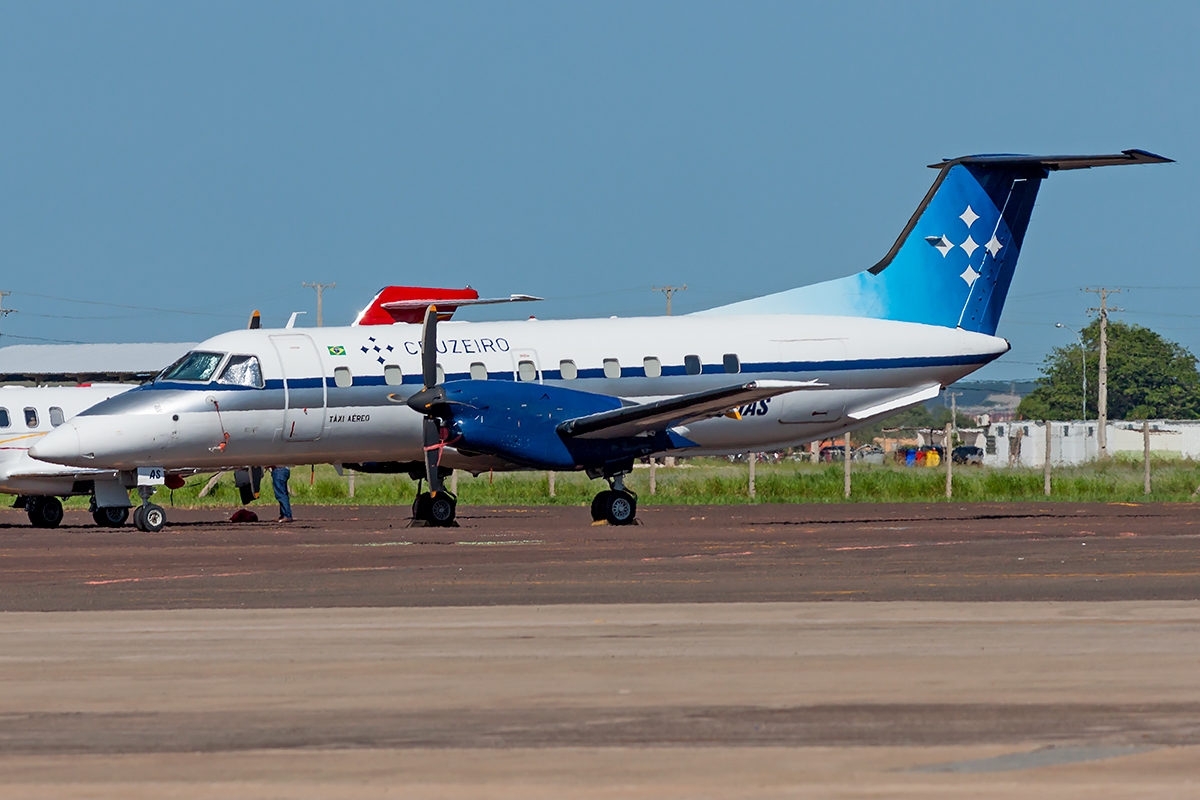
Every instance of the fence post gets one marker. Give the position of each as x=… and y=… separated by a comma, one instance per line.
x=653, y=481
x=751, y=458
x=550, y=481
x=1046, y=466
x=350, y=482
x=1146, y=455
x=846, y=466
x=946, y=448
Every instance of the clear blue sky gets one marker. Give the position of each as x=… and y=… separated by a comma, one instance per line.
x=196, y=161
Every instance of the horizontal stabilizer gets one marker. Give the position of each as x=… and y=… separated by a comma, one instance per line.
x=407, y=304
x=1055, y=163
x=662, y=414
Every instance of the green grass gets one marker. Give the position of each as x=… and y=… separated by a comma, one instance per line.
x=713, y=481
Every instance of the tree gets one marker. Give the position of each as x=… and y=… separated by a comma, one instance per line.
x=1149, y=377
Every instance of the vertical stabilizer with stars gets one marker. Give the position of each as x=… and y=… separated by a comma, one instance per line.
x=954, y=261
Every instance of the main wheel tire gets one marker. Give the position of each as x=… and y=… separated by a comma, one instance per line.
x=621, y=508
x=153, y=518
x=442, y=509
x=420, y=507
x=139, y=518
x=248, y=494
x=599, y=504
x=111, y=517
x=44, y=512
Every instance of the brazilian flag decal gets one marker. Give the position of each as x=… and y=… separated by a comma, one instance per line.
x=337, y=350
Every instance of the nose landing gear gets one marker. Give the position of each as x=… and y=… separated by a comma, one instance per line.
x=616, y=505
x=148, y=517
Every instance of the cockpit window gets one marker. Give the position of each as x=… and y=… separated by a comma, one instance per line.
x=196, y=366
x=242, y=371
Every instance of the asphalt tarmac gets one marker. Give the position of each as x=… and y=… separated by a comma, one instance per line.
x=368, y=556
x=750, y=651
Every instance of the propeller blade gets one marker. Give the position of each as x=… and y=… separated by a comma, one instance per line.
x=429, y=348
x=433, y=454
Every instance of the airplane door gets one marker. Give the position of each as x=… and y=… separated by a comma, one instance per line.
x=813, y=407
x=303, y=387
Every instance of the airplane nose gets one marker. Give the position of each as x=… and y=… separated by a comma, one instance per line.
x=59, y=446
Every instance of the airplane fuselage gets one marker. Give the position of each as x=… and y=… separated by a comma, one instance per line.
x=338, y=394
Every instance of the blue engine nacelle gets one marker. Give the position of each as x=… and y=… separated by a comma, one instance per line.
x=519, y=422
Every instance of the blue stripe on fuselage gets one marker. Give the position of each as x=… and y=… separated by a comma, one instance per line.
x=748, y=369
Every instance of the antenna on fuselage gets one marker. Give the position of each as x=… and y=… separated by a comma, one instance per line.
x=292, y=319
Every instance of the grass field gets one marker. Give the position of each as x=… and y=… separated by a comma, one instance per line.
x=713, y=481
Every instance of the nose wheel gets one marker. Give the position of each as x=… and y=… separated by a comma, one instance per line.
x=435, y=510
x=148, y=517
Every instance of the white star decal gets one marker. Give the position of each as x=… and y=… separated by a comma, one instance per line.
x=970, y=276
x=969, y=217
x=969, y=246
x=943, y=245
x=993, y=246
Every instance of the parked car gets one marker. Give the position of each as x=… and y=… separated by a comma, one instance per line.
x=833, y=452
x=968, y=455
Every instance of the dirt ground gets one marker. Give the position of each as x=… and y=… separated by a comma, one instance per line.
x=367, y=556
x=530, y=654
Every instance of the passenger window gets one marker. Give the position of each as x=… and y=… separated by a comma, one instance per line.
x=31, y=420
x=342, y=377
x=732, y=364
x=441, y=374
x=568, y=369
x=4, y=420
x=392, y=374
x=242, y=371
x=56, y=416
x=612, y=368
x=526, y=370
x=478, y=371
x=197, y=366
x=652, y=366
x=691, y=365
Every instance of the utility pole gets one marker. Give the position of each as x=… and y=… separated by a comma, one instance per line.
x=1102, y=398
x=320, y=287
x=846, y=468
x=953, y=416
x=669, y=291
x=4, y=312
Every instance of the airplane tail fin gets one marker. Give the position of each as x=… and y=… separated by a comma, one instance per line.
x=954, y=261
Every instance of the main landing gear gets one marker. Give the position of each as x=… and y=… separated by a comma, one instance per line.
x=616, y=505
x=44, y=512
x=434, y=509
x=148, y=517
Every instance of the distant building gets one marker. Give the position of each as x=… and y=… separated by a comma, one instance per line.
x=87, y=363
x=1023, y=443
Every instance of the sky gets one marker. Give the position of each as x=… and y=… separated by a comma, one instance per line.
x=165, y=168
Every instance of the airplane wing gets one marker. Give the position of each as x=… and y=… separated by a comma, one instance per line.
x=62, y=472
x=655, y=416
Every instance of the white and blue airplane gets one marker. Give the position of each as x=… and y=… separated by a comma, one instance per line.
x=593, y=394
